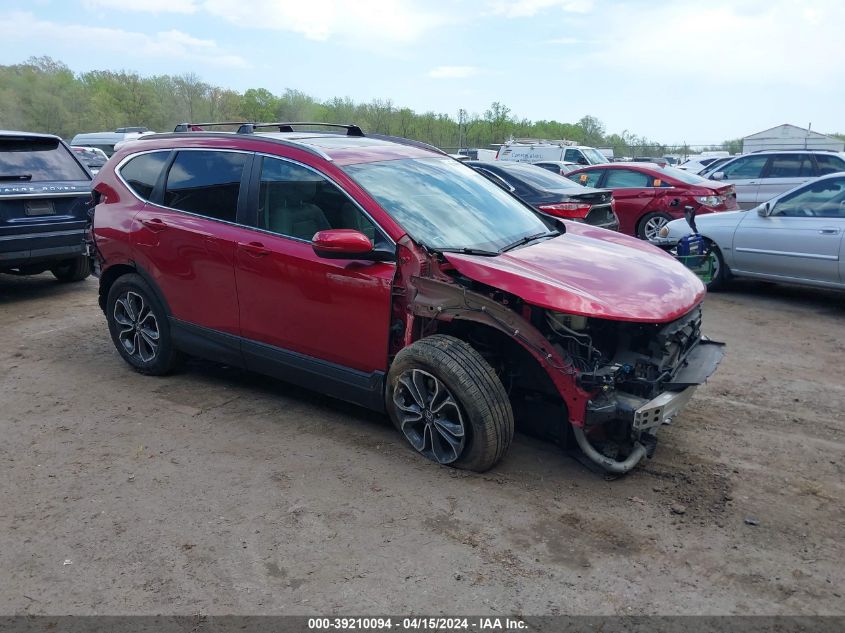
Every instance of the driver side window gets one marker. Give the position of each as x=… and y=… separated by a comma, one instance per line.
x=297, y=202
x=821, y=199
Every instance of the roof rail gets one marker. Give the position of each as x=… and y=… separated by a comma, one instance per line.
x=401, y=140
x=245, y=127
x=797, y=149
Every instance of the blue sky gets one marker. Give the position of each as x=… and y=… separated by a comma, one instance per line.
x=680, y=71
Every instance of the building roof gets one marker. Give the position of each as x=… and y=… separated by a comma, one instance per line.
x=785, y=129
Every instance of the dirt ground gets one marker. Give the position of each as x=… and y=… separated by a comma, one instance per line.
x=219, y=491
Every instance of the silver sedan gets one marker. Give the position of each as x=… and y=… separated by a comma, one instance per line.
x=796, y=237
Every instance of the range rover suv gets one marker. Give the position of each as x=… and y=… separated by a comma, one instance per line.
x=44, y=192
x=383, y=272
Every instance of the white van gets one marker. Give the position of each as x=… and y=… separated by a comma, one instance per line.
x=107, y=140
x=532, y=151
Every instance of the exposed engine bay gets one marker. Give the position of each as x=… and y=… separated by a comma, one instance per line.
x=618, y=381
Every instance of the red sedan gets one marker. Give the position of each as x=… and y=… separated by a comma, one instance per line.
x=649, y=196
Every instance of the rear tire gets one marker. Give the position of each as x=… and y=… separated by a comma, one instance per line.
x=139, y=327
x=449, y=404
x=651, y=223
x=75, y=269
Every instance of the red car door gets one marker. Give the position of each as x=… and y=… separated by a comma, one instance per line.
x=634, y=193
x=299, y=311
x=184, y=241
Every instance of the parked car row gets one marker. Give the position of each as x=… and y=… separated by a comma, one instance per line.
x=796, y=237
x=480, y=294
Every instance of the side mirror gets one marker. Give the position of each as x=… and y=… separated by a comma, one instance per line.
x=342, y=244
x=719, y=175
x=763, y=210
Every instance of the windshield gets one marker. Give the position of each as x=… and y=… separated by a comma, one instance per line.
x=38, y=160
x=594, y=156
x=446, y=205
x=683, y=176
x=539, y=177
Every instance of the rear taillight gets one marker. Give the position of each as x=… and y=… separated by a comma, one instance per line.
x=572, y=210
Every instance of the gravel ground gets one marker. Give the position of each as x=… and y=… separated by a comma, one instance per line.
x=219, y=491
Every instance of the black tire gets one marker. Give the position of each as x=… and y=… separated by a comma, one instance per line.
x=131, y=290
x=75, y=269
x=484, y=411
x=648, y=217
x=722, y=274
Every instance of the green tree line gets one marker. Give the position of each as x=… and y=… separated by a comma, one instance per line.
x=44, y=95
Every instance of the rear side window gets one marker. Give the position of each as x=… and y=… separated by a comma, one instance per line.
x=625, y=178
x=588, y=178
x=790, y=166
x=142, y=172
x=38, y=160
x=829, y=164
x=206, y=183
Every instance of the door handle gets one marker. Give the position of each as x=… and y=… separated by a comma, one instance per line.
x=254, y=249
x=154, y=224
x=829, y=231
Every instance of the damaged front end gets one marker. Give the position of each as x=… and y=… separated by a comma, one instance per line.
x=612, y=382
x=639, y=375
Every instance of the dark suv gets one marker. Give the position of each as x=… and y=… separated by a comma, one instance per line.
x=44, y=192
x=383, y=272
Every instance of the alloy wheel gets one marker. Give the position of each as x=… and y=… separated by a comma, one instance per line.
x=652, y=227
x=139, y=332
x=429, y=416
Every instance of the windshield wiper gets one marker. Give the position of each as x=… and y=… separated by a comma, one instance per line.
x=469, y=251
x=16, y=177
x=527, y=239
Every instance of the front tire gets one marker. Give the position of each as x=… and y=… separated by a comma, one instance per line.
x=721, y=272
x=650, y=225
x=72, y=270
x=139, y=327
x=449, y=404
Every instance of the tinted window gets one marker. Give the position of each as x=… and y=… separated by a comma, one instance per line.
x=534, y=176
x=588, y=178
x=444, y=204
x=206, y=183
x=141, y=172
x=745, y=167
x=790, y=166
x=622, y=178
x=829, y=164
x=37, y=160
x=298, y=202
x=821, y=199
x=683, y=176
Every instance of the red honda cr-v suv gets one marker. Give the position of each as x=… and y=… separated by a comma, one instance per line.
x=385, y=273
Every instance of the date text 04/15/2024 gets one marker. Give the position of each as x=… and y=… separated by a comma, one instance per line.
x=416, y=624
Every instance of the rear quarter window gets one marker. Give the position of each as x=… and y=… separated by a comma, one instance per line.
x=142, y=172
x=38, y=160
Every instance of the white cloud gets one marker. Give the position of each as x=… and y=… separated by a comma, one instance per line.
x=736, y=42
x=171, y=45
x=368, y=22
x=453, y=72
x=529, y=8
x=566, y=41
x=147, y=6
